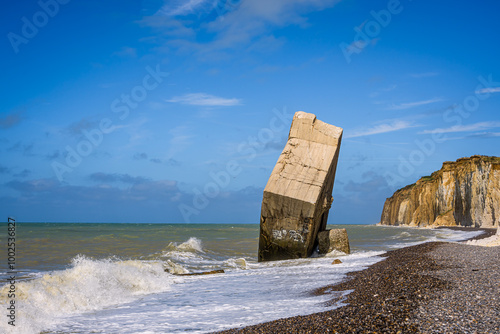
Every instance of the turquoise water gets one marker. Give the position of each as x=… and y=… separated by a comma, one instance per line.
x=122, y=278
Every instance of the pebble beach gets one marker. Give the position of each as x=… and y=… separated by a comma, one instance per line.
x=435, y=287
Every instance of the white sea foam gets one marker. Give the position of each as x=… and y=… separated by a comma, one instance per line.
x=239, y=263
x=174, y=268
x=189, y=254
x=335, y=253
x=49, y=299
x=414, y=236
x=264, y=292
x=193, y=244
x=491, y=241
x=117, y=296
x=88, y=285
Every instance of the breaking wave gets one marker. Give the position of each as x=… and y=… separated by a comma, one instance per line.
x=95, y=284
x=86, y=286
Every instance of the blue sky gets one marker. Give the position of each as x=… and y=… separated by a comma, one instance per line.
x=177, y=111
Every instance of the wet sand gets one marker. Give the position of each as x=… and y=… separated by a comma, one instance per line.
x=436, y=287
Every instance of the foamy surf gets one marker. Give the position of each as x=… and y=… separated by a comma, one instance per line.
x=201, y=304
x=48, y=300
x=144, y=294
x=88, y=285
x=190, y=256
x=411, y=236
x=191, y=245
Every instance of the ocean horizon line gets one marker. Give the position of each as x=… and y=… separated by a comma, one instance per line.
x=168, y=223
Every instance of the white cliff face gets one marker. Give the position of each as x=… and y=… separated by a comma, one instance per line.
x=461, y=193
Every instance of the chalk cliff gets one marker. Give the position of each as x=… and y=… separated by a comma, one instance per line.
x=462, y=193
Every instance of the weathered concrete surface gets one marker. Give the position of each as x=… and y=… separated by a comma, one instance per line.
x=335, y=239
x=298, y=195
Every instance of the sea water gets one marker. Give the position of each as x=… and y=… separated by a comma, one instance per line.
x=123, y=278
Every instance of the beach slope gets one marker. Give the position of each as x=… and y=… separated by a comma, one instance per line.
x=434, y=287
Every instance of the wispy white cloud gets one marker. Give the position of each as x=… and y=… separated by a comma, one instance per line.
x=203, y=99
x=424, y=75
x=488, y=90
x=481, y=126
x=126, y=52
x=185, y=7
x=383, y=90
x=382, y=128
x=252, y=20
x=389, y=88
x=409, y=105
x=238, y=25
x=486, y=134
x=180, y=139
x=165, y=26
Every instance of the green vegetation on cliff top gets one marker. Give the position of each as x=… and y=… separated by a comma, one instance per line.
x=485, y=158
x=432, y=177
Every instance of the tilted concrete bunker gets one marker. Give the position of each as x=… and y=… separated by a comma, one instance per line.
x=298, y=195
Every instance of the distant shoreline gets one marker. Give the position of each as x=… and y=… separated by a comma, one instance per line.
x=411, y=285
x=487, y=232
